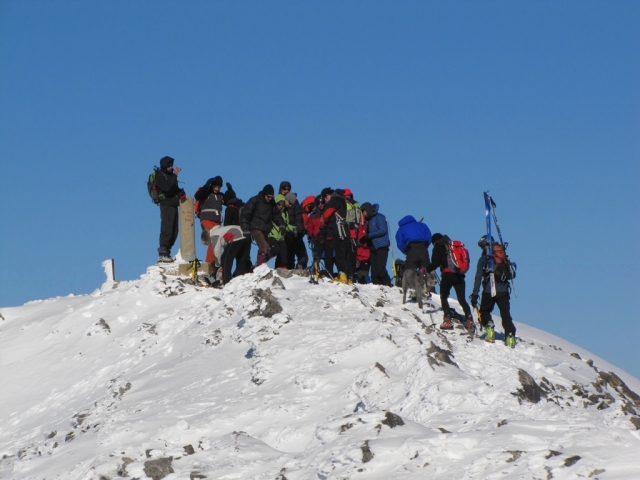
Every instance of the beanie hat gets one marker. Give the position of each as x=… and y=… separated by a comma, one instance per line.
x=166, y=162
x=291, y=197
x=326, y=191
x=367, y=207
x=267, y=190
x=279, y=198
x=285, y=184
x=435, y=237
x=348, y=192
x=217, y=181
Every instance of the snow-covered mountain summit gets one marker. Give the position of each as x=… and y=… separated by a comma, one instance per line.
x=274, y=378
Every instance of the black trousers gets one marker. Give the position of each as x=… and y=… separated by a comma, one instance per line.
x=362, y=272
x=378, y=261
x=342, y=247
x=486, y=306
x=329, y=253
x=296, y=249
x=417, y=255
x=238, y=251
x=455, y=280
x=168, y=228
x=278, y=249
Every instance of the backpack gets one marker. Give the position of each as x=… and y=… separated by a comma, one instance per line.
x=457, y=257
x=152, y=189
x=506, y=271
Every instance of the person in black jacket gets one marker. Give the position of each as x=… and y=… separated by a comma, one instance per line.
x=449, y=279
x=240, y=251
x=211, y=202
x=334, y=215
x=170, y=194
x=257, y=218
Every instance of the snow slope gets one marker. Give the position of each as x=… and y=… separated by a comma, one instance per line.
x=273, y=377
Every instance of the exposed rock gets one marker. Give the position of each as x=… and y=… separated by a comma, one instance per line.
x=188, y=450
x=104, y=325
x=159, y=468
x=443, y=430
x=515, y=454
x=530, y=390
x=196, y=475
x=345, y=427
x=576, y=356
x=381, y=368
x=597, y=471
x=439, y=355
x=367, y=454
x=553, y=453
x=277, y=283
x=572, y=460
x=284, y=273
x=501, y=423
x=266, y=304
x=614, y=381
x=636, y=422
x=122, y=469
x=392, y=420
x=70, y=436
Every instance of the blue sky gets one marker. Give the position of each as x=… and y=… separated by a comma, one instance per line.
x=417, y=106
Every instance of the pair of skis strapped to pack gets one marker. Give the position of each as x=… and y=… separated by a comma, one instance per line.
x=490, y=211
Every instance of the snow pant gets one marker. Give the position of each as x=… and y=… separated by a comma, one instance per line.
x=378, y=261
x=278, y=249
x=455, y=280
x=329, y=251
x=417, y=256
x=238, y=251
x=342, y=246
x=351, y=258
x=362, y=272
x=261, y=241
x=168, y=228
x=486, y=306
x=296, y=249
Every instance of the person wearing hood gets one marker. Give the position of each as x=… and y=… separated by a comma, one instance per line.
x=170, y=195
x=377, y=238
x=448, y=279
x=279, y=231
x=334, y=216
x=257, y=218
x=413, y=240
x=209, y=202
x=295, y=239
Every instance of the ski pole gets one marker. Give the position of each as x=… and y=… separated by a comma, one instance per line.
x=393, y=261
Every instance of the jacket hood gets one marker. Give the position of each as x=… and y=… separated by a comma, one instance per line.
x=283, y=184
x=438, y=238
x=166, y=162
x=370, y=209
x=406, y=220
x=267, y=190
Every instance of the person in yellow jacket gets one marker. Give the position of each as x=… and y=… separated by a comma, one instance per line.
x=276, y=237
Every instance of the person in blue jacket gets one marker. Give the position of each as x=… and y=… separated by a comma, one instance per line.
x=413, y=240
x=377, y=238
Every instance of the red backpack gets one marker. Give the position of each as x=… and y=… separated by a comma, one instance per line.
x=457, y=257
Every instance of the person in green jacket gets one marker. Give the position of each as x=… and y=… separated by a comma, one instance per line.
x=276, y=237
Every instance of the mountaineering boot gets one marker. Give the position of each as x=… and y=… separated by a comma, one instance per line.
x=261, y=259
x=447, y=324
x=510, y=341
x=165, y=259
x=341, y=278
x=490, y=333
x=469, y=324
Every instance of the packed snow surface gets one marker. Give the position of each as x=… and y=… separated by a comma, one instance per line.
x=272, y=377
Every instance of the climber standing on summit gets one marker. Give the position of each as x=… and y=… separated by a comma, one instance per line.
x=170, y=196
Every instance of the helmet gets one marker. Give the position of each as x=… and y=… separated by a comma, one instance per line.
x=483, y=243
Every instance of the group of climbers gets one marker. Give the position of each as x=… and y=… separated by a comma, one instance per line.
x=340, y=233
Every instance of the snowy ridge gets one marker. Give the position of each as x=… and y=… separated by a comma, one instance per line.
x=274, y=378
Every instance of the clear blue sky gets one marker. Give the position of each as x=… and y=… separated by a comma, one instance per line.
x=417, y=106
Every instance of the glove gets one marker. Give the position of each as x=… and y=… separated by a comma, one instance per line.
x=182, y=195
x=474, y=300
x=229, y=187
x=364, y=239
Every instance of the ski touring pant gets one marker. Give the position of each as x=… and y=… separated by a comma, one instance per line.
x=168, y=228
x=238, y=251
x=502, y=300
x=455, y=280
x=378, y=261
x=343, y=263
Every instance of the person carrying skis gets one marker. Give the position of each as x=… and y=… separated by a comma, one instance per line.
x=449, y=279
x=377, y=238
x=170, y=195
x=502, y=298
x=257, y=218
